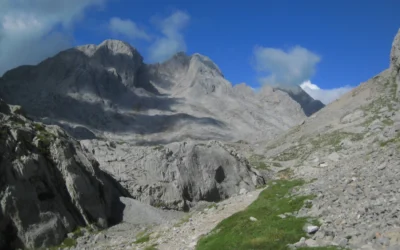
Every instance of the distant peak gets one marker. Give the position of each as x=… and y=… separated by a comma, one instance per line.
x=118, y=47
x=206, y=61
x=395, y=53
x=113, y=46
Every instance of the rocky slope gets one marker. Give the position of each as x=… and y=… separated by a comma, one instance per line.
x=49, y=186
x=350, y=151
x=107, y=91
x=177, y=175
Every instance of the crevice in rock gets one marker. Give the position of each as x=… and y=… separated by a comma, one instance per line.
x=220, y=174
x=12, y=241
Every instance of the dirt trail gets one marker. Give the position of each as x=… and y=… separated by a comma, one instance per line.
x=185, y=236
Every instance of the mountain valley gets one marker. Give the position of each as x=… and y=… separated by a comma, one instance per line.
x=102, y=151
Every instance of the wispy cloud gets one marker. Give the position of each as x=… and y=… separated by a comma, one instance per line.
x=32, y=30
x=128, y=28
x=172, y=39
x=326, y=96
x=281, y=67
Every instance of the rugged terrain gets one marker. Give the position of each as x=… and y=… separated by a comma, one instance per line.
x=148, y=145
x=177, y=175
x=350, y=152
x=49, y=185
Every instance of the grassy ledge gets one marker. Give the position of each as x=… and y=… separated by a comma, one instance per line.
x=269, y=231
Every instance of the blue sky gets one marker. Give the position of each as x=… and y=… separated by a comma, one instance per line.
x=333, y=43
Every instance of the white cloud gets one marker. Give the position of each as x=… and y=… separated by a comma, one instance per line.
x=326, y=96
x=32, y=30
x=172, y=40
x=290, y=67
x=127, y=28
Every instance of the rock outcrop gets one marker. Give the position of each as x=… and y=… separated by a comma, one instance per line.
x=177, y=175
x=48, y=185
x=395, y=53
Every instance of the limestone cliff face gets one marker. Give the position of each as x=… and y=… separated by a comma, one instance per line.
x=48, y=185
x=177, y=175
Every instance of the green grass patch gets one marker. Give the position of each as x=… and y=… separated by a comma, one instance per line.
x=291, y=153
x=395, y=139
x=261, y=165
x=213, y=205
x=159, y=147
x=45, y=139
x=334, y=139
x=387, y=122
x=242, y=142
x=257, y=162
x=142, y=237
x=269, y=231
x=39, y=127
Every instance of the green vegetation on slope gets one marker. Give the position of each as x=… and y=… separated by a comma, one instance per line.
x=269, y=231
x=142, y=237
x=334, y=139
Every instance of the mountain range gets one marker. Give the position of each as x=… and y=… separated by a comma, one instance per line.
x=107, y=91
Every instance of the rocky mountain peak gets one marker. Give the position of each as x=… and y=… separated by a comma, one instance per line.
x=205, y=63
x=113, y=47
x=395, y=53
x=309, y=104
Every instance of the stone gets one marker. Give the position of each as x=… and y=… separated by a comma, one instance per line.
x=343, y=242
x=282, y=216
x=382, y=166
x=253, y=219
x=383, y=241
x=334, y=157
x=242, y=191
x=99, y=237
x=323, y=165
x=311, y=243
x=310, y=229
x=300, y=243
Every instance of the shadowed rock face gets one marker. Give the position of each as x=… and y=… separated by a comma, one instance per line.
x=48, y=185
x=108, y=90
x=307, y=103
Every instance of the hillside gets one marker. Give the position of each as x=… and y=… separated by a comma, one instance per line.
x=349, y=152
